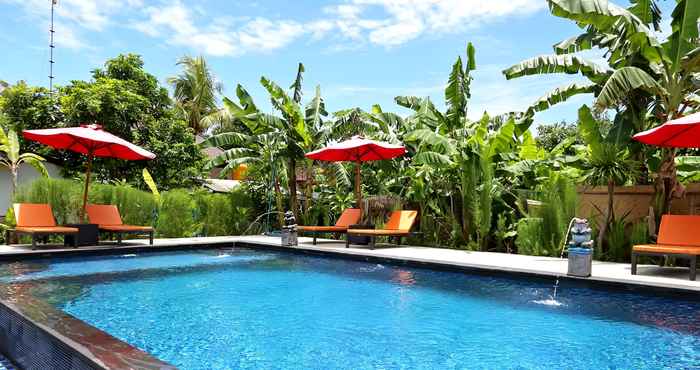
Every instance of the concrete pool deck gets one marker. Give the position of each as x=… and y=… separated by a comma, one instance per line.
x=606, y=272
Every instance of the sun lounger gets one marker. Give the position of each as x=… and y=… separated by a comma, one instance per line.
x=37, y=220
x=398, y=226
x=678, y=237
x=108, y=220
x=350, y=216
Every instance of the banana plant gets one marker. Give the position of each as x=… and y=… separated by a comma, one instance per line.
x=670, y=74
x=649, y=81
x=12, y=158
x=245, y=132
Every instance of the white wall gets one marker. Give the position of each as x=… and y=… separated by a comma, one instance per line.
x=26, y=175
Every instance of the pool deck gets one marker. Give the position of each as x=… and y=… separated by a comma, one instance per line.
x=608, y=272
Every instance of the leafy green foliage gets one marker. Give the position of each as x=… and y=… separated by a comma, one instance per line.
x=196, y=91
x=529, y=239
x=549, y=136
x=176, y=215
x=567, y=63
x=130, y=103
x=557, y=205
x=624, y=80
x=64, y=196
x=12, y=159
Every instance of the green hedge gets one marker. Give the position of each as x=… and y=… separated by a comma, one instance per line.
x=181, y=212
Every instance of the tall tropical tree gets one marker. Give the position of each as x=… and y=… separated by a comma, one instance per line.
x=456, y=159
x=196, y=91
x=293, y=130
x=12, y=158
x=256, y=146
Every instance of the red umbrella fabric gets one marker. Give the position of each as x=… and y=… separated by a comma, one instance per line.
x=89, y=140
x=92, y=141
x=357, y=149
x=683, y=132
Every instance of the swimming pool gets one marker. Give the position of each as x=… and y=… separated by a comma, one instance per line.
x=240, y=308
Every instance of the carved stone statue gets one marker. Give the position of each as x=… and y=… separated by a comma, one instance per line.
x=580, y=234
x=289, y=230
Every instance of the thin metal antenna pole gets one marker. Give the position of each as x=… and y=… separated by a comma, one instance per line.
x=52, y=31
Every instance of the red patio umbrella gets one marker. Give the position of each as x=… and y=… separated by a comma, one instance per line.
x=92, y=141
x=683, y=132
x=358, y=150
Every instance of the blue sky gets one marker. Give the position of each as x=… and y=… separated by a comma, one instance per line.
x=361, y=52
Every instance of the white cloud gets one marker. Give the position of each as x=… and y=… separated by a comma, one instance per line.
x=264, y=34
x=74, y=16
x=400, y=21
x=343, y=23
x=224, y=36
x=67, y=37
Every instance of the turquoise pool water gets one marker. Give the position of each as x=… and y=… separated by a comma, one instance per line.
x=243, y=309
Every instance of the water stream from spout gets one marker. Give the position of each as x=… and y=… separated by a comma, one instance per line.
x=552, y=301
x=255, y=222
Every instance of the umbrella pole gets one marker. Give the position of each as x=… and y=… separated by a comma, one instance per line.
x=87, y=185
x=358, y=190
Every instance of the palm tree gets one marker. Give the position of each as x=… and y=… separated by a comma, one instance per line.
x=196, y=91
x=11, y=157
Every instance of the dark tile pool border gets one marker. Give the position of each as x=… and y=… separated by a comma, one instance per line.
x=90, y=348
x=35, y=335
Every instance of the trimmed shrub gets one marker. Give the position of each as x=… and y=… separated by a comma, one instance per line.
x=64, y=196
x=242, y=212
x=179, y=214
x=136, y=207
x=176, y=216
x=214, y=212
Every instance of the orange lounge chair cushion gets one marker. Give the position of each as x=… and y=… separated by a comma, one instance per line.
x=670, y=249
x=678, y=234
x=399, y=224
x=328, y=229
x=679, y=230
x=103, y=214
x=378, y=232
x=125, y=228
x=46, y=229
x=401, y=220
x=107, y=217
x=350, y=216
x=34, y=215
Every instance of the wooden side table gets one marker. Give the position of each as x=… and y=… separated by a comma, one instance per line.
x=88, y=234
